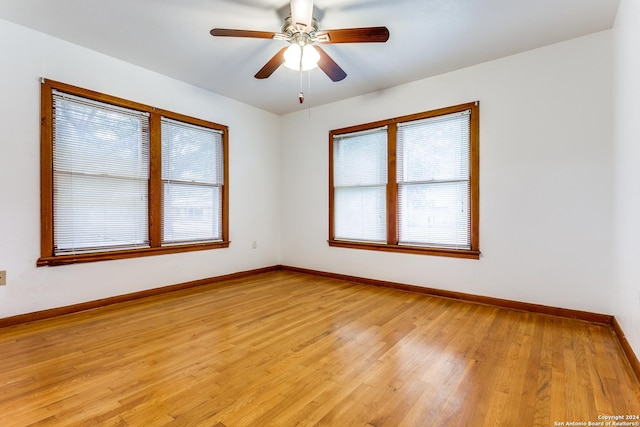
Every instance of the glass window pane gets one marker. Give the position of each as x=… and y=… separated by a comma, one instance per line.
x=435, y=215
x=360, y=213
x=360, y=159
x=434, y=149
x=99, y=213
x=96, y=139
x=191, y=213
x=191, y=153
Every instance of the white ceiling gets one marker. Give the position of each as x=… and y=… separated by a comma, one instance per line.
x=427, y=37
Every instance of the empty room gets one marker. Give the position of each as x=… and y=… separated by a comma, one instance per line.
x=346, y=213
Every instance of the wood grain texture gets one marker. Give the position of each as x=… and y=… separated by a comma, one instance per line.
x=626, y=347
x=498, y=302
x=357, y=35
x=284, y=348
x=104, y=302
x=272, y=65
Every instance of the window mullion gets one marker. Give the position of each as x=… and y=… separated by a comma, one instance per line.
x=225, y=185
x=332, y=190
x=392, y=187
x=474, y=184
x=46, y=174
x=155, y=181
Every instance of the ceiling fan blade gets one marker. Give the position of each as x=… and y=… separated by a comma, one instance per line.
x=329, y=66
x=356, y=35
x=301, y=11
x=224, y=32
x=271, y=65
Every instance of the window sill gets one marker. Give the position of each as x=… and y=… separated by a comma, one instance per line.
x=454, y=253
x=131, y=253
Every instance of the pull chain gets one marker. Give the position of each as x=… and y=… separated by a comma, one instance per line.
x=301, y=94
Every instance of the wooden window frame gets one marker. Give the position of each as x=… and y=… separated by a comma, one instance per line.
x=47, y=254
x=392, y=187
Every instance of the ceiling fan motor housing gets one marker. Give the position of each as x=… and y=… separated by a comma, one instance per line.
x=301, y=34
x=290, y=27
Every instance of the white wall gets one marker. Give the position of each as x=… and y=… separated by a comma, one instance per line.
x=627, y=170
x=25, y=56
x=545, y=186
x=546, y=177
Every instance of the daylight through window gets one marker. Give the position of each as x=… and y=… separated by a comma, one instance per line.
x=110, y=167
x=408, y=184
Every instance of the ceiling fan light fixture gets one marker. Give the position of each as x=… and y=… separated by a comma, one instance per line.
x=300, y=30
x=310, y=57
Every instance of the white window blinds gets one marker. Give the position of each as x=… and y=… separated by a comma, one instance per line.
x=359, y=185
x=192, y=179
x=100, y=176
x=433, y=179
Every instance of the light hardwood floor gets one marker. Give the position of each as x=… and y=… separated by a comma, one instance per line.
x=285, y=349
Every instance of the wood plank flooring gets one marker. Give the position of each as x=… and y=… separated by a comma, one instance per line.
x=291, y=349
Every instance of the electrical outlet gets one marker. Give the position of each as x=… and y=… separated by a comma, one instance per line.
x=254, y=244
x=3, y=278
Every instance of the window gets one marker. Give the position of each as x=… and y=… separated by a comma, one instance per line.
x=121, y=179
x=192, y=178
x=408, y=184
x=360, y=185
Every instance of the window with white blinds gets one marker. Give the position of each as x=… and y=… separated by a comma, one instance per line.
x=120, y=179
x=360, y=181
x=433, y=181
x=408, y=184
x=192, y=177
x=100, y=176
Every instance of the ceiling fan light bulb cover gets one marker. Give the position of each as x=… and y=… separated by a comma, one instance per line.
x=310, y=57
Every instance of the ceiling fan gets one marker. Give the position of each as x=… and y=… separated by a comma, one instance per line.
x=300, y=29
